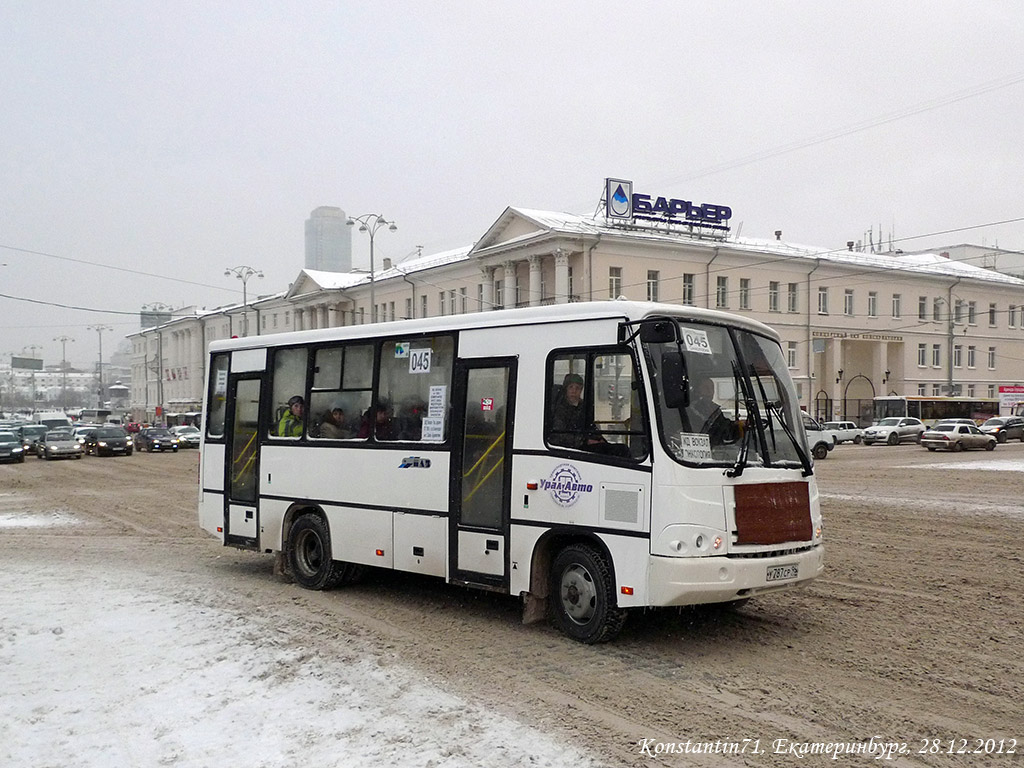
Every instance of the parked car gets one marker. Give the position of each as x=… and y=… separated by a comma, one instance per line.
x=188, y=436
x=818, y=440
x=108, y=441
x=58, y=444
x=895, y=430
x=957, y=437
x=1004, y=428
x=11, y=448
x=29, y=434
x=845, y=432
x=155, y=439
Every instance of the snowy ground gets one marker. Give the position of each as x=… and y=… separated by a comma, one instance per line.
x=117, y=671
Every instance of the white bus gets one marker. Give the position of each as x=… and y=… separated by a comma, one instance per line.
x=564, y=454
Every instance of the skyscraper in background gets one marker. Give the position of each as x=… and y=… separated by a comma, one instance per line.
x=328, y=240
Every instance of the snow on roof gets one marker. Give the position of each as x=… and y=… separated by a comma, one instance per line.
x=923, y=263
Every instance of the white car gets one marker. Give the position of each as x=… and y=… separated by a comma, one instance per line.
x=188, y=436
x=818, y=440
x=895, y=429
x=845, y=432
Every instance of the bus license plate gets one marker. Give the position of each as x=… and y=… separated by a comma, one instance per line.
x=782, y=572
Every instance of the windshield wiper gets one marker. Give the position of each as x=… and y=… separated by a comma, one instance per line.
x=753, y=418
x=805, y=460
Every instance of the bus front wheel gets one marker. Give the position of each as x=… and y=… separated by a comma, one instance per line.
x=583, y=595
x=309, y=554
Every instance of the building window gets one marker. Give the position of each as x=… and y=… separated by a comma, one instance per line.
x=848, y=302
x=773, y=296
x=571, y=292
x=273, y=322
x=991, y=358
x=922, y=355
x=937, y=310
x=722, y=293
x=792, y=303
x=992, y=315
x=688, y=283
x=958, y=311
x=823, y=301
x=872, y=304
x=653, y=277
x=922, y=389
x=958, y=356
x=972, y=313
x=744, y=293
x=936, y=390
x=971, y=356
x=936, y=355
x=1011, y=316
x=970, y=390
x=451, y=302
x=464, y=299
x=424, y=312
x=922, y=307
x=991, y=390
x=498, y=299
x=897, y=309
x=440, y=303
x=791, y=354
x=614, y=282
x=480, y=297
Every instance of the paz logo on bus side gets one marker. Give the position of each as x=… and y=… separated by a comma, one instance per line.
x=566, y=484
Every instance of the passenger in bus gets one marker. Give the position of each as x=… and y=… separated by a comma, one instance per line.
x=705, y=415
x=332, y=424
x=290, y=424
x=378, y=421
x=570, y=427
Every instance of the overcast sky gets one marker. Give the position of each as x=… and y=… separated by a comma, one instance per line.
x=178, y=139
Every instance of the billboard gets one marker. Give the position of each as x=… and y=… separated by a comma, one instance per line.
x=28, y=363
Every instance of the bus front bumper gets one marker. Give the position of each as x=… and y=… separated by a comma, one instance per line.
x=695, y=580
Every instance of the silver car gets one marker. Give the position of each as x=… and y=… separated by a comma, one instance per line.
x=957, y=437
x=58, y=444
x=895, y=429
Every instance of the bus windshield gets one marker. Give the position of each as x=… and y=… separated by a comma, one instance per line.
x=724, y=396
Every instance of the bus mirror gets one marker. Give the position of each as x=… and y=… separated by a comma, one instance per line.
x=674, y=383
x=658, y=332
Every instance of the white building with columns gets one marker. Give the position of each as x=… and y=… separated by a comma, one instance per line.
x=853, y=324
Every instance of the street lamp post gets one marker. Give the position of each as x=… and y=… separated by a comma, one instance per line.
x=99, y=365
x=370, y=223
x=32, y=348
x=64, y=369
x=243, y=273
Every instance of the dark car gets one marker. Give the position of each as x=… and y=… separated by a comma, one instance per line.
x=30, y=434
x=1004, y=428
x=11, y=448
x=108, y=441
x=156, y=439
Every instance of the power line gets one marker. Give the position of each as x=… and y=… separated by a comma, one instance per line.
x=115, y=268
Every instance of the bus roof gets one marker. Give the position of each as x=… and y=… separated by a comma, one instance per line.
x=554, y=313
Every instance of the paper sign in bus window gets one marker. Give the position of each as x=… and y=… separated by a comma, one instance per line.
x=696, y=341
x=419, y=360
x=438, y=399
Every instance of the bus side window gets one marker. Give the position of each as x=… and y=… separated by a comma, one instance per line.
x=414, y=394
x=217, y=396
x=289, y=382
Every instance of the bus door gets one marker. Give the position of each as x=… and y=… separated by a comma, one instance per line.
x=481, y=472
x=241, y=513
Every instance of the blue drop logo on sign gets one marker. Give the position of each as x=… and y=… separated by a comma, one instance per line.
x=566, y=485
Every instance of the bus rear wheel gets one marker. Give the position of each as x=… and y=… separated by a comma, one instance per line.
x=583, y=595
x=309, y=554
